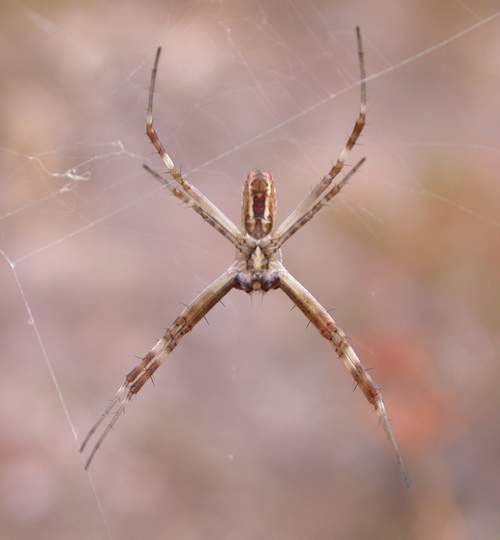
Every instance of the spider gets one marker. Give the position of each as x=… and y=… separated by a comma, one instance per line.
x=257, y=266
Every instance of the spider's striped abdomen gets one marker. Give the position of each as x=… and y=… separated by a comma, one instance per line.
x=259, y=204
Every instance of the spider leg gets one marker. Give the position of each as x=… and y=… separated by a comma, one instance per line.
x=237, y=241
x=325, y=182
x=328, y=328
x=137, y=377
x=278, y=241
x=195, y=195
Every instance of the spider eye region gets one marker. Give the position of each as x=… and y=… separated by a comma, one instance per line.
x=257, y=281
x=259, y=274
x=259, y=204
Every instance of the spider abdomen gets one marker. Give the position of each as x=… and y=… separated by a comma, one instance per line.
x=258, y=204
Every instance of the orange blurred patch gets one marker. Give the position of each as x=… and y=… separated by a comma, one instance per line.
x=418, y=409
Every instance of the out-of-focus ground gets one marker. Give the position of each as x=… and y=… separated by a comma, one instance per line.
x=252, y=429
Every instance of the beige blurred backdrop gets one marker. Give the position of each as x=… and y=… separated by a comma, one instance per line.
x=252, y=429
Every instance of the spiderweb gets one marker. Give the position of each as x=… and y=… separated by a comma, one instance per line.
x=95, y=259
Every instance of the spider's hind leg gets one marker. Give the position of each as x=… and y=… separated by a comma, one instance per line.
x=322, y=188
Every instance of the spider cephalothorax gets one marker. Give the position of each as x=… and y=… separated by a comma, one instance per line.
x=256, y=263
x=257, y=266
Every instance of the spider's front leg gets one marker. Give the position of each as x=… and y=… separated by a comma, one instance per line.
x=328, y=328
x=140, y=374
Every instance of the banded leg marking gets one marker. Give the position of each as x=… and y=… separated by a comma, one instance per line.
x=326, y=181
x=197, y=196
x=140, y=374
x=328, y=328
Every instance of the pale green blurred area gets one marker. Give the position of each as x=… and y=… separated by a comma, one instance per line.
x=251, y=429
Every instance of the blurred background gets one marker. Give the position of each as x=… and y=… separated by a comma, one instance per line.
x=252, y=429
